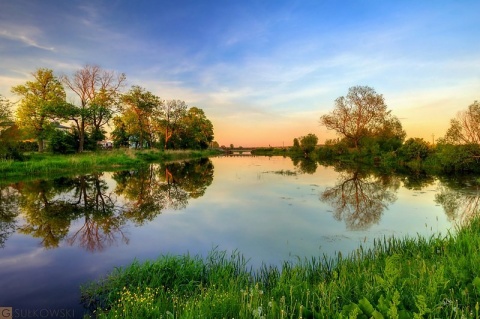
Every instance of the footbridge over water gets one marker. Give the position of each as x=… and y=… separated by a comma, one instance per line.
x=247, y=151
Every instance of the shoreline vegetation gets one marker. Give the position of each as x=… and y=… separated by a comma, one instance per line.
x=41, y=164
x=435, y=277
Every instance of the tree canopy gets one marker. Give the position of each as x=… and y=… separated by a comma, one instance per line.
x=362, y=113
x=98, y=91
x=39, y=101
x=465, y=127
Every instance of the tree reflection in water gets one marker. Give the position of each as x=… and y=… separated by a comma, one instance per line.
x=8, y=212
x=151, y=189
x=460, y=198
x=50, y=206
x=305, y=165
x=360, y=198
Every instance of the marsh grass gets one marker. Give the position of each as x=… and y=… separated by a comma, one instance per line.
x=435, y=277
x=44, y=164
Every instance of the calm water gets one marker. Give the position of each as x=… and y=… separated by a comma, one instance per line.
x=57, y=234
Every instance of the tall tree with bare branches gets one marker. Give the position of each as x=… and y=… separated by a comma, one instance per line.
x=465, y=128
x=98, y=91
x=357, y=115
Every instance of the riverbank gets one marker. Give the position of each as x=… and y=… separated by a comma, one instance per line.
x=436, y=277
x=38, y=164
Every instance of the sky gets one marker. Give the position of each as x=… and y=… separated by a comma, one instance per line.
x=263, y=71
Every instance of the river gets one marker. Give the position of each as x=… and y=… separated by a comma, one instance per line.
x=57, y=234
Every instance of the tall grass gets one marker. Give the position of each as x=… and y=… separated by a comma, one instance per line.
x=41, y=164
x=436, y=277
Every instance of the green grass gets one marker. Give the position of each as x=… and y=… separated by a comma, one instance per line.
x=436, y=277
x=45, y=164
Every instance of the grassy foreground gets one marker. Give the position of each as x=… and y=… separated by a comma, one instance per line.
x=41, y=164
x=437, y=277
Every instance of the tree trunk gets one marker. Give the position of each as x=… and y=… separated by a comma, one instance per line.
x=81, y=136
x=168, y=135
x=40, y=145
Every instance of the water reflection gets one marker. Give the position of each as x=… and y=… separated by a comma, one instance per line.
x=416, y=180
x=151, y=189
x=8, y=213
x=460, y=199
x=305, y=165
x=86, y=212
x=359, y=198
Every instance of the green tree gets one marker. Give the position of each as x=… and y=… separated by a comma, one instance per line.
x=98, y=91
x=359, y=114
x=9, y=134
x=119, y=134
x=308, y=143
x=196, y=130
x=61, y=142
x=414, y=149
x=139, y=108
x=296, y=143
x=173, y=112
x=40, y=100
x=390, y=134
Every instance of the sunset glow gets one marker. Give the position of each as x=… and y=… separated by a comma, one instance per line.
x=263, y=71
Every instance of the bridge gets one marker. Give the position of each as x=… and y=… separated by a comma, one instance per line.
x=239, y=151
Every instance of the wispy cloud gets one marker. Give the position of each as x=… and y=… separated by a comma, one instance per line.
x=26, y=36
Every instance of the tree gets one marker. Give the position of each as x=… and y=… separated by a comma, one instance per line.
x=296, y=143
x=139, y=108
x=389, y=134
x=357, y=115
x=195, y=129
x=98, y=91
x=414, y=149
x=5, y=113
x=120, y=136
x=6, y=126
x=308, y=143
x=40, y=100
x=173, y=112
x=465, y=128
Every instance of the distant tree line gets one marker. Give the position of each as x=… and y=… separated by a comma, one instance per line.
x=369, y=133
x=140, y=119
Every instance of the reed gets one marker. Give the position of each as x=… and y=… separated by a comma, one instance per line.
x=435, y=277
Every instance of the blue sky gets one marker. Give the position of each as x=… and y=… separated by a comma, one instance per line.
x=263, y=71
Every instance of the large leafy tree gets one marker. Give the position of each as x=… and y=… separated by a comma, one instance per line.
x=139, y=108
x=196, y=130
x=39, y=102
x=308, y=143
x=173, y=112
x=465, y=128
x=359, y=114
x=98, y=91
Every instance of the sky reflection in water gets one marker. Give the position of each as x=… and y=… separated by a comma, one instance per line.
x=70, y=231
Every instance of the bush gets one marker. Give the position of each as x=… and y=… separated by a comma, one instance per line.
x=414, y=149
x=459, y=158
x=61, y=142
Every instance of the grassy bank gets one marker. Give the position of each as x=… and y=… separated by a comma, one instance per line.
x=40, y=164
x=438, y=277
